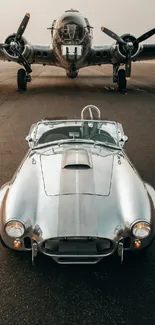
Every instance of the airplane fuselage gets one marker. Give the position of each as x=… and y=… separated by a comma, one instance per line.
x=72, y=40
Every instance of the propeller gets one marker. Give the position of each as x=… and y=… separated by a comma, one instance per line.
x=128, y=46
x=15, y=46
x=113, y=35
x=22, y=27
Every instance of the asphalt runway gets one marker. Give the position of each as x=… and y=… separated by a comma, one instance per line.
x=107, y=293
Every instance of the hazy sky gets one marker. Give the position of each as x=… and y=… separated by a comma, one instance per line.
x=134, y=16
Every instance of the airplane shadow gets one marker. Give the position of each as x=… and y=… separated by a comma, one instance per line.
x=88, y=77
x=72, y=90
x=95, y=88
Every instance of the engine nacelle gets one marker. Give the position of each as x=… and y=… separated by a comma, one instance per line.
x=23, y=46
x=121, y=50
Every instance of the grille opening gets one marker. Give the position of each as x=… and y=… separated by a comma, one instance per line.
x=27, y=242
x=127, y=242
x=103, y=245
x=80, y=246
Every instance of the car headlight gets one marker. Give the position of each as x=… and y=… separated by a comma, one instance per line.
x=141, y=230
x=14, y=229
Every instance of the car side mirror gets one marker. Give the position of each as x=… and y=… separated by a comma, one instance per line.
x=28, y=138
x=30, y=141
x=123, y=140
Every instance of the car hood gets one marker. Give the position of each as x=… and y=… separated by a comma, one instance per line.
x=91, y=192
x=77, y=171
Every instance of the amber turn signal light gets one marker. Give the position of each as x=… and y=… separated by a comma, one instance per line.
x=17, y=243
x=137, y=243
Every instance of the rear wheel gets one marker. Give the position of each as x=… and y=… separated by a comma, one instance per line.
x=22, y=79
x=121, y=80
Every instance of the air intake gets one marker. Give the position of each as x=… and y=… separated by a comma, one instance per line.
x=79, y=159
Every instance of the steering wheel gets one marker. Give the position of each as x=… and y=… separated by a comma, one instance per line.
x=49, y=137
x=103, y=137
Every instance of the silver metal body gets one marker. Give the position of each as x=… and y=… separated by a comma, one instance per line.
x=77, y=195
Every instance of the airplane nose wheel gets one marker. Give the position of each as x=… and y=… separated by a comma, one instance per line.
x=22, y=79
x=72, y=74
x=121, y=81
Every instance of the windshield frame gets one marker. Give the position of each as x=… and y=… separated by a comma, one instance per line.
x=54, y=124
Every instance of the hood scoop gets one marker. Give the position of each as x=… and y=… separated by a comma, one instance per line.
x=76, y=159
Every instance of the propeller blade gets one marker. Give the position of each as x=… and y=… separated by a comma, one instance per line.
x=113, y=35
x=145, y=36
x=3, y=46
x=22, y=26
x=24, y=62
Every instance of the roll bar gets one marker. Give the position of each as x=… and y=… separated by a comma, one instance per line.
x=90, y=108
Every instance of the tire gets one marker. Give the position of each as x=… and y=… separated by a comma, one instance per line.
x=21, y=79
x=72, y=75
x=121, y=80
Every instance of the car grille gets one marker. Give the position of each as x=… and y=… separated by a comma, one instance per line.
x=74, y=246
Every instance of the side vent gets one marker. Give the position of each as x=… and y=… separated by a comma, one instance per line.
x=76, y=159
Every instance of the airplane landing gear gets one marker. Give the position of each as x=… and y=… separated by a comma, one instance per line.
x=115, y=72
x=22, y=79
x=72, y=74
x=120, y=78
x=121, y=82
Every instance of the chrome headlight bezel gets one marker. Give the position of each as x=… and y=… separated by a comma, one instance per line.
x=19, y=225
x=142, y=225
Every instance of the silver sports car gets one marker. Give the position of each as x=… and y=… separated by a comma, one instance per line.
x=76, y=196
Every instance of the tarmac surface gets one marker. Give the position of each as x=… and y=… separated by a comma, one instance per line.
x=107, y=293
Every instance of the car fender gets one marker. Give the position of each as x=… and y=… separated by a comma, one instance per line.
x=151, y=192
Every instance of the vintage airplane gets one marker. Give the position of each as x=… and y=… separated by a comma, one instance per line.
x=72, y=49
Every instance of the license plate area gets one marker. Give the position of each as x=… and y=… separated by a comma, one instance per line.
x=79, y=248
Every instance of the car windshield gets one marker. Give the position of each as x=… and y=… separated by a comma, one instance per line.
x=76, y=130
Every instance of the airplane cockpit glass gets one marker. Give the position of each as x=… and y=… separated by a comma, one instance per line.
x=71, y=19
x=72, y=32
x=71, y=27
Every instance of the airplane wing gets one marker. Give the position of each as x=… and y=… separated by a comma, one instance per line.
x=147, y=52
x=127, y=49
x=17, y=49
x=42, y=54
x=39, y=54
x=109, y=54
x=99, y=54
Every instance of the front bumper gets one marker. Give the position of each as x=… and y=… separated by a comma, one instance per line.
x=76, y=250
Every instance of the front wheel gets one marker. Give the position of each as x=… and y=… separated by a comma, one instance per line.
x=121, y=80
x=22, y=79
x=72, y=74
